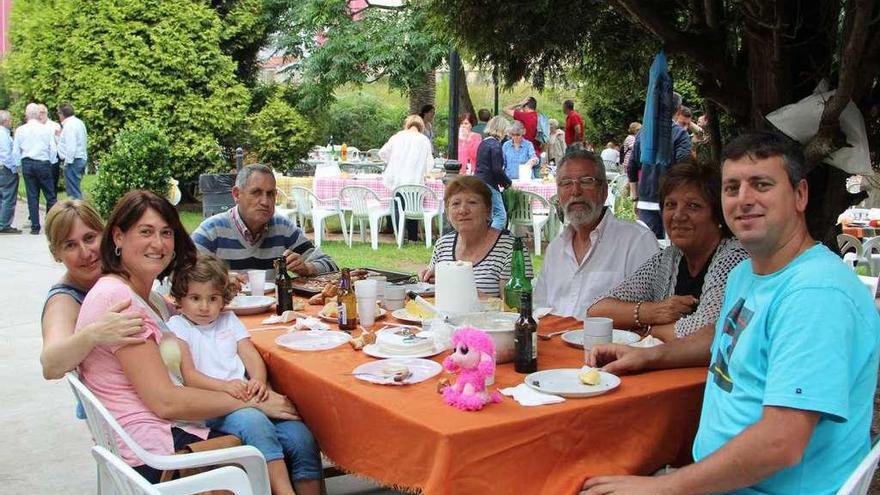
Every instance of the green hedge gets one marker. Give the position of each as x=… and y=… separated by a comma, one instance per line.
x=280, y=136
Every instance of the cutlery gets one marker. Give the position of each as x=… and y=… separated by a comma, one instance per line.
x=397, y=377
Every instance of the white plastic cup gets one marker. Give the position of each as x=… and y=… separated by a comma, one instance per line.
x=366, y=288
x=597, y=330
x=257, y=280
x=381, y=280
x=395, y=297
x=366, y=307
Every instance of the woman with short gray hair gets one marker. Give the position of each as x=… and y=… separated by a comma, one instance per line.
x=490, y=168
x=519, y=151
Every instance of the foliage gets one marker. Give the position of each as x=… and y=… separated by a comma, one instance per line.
x=123, y=61
x=245, y=28
x=280, y=135
x=342, y=48
x=140, y=158
x=362, y=120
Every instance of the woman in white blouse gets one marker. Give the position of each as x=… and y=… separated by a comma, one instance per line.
x=408, y=158
x=680, y=289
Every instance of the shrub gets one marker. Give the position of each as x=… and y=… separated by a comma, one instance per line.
x=363, y=121
x=123, y=61
x=280, y=135
x=140, y=158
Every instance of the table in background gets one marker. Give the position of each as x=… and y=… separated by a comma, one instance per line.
x=285, y=183
x=405, y=436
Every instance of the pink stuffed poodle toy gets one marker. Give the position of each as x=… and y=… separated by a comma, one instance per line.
x=473, y=360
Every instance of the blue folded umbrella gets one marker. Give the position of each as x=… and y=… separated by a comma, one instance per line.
x=656, y=133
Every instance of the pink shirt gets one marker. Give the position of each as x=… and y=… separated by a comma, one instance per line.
x=467, y=150
x=102, y=373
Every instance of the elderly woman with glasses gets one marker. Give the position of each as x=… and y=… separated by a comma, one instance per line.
x=680, y=289
x=468, y=204
x=519, y=151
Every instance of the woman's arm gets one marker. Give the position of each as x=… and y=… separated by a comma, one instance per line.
x=622, y=312
x=144, y=368
x=64, y=349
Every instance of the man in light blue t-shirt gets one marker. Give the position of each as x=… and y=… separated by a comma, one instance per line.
x=793, y=362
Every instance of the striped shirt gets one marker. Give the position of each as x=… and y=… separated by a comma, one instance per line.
x=489, y=271
x=217, y=235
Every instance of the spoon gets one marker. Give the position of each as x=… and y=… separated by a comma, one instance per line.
x=551, y=335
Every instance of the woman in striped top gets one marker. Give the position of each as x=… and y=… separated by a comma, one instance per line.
x=468, y=203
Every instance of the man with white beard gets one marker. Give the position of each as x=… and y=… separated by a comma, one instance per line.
x=596, y=251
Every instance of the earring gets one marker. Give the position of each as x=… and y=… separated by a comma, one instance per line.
x=173, y=254
x=116, y=251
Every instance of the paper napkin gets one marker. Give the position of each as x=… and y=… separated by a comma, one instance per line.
x=528, y=396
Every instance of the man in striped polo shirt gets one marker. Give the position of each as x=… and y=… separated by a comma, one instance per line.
x=251, y=235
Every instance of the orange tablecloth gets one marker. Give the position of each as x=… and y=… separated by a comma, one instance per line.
x=408, y=438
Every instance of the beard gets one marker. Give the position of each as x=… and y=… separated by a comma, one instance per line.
x=589, y=214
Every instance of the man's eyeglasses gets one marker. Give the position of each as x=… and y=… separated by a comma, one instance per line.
x=586, y=182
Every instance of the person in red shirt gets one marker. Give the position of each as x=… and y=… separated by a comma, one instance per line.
x=526, y=112
x=574, y=125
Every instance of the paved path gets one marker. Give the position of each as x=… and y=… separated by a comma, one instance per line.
x=45, y=449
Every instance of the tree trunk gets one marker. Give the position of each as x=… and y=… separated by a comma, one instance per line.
x=464, y=97
x=423, y=94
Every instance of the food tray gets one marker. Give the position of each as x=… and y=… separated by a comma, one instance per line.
x=309, y=286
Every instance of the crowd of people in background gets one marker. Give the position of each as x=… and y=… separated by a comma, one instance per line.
x=37, y=151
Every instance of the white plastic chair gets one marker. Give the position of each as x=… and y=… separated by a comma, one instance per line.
x=860, y=480
x=309, y=206
x=364, y=205
x=615, y=189
x=846, y=242
x=412, y=208
x=555, y=222
x=105, y=429
x=282, y=202
x=125, y=480
x=531, y=210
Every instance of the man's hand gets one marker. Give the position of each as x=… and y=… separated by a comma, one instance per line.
x=236, y=280
x=427, y=275
x=620, y=359
x=297, y=263
x=237, y=389
x=257, y=389
x=626, y=485
x=668, y=310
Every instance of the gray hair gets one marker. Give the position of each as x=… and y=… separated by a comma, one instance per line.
x=553, y=123
x=585, y=155
x=515, y=127
x=32, y=111
x=5, y=115
x=244, y=175
x=496, y=126
x=43, y=109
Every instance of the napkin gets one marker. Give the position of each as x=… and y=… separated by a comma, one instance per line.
x=284, y=317
x=539, y=313
x=310, y=323
x=528, y=396
x=649, y=341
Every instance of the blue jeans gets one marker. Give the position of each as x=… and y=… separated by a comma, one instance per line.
x=37, y=177
x=499, y=215
x=73, y=173
x=654, y=220
x=8, y=195
x=275, y=439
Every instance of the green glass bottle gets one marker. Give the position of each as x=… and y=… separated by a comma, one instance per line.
x=518, y=282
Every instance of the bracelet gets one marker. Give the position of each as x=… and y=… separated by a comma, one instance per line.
x=636, y=314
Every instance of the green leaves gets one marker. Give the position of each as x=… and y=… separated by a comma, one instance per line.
x=128, y=61
x=280, y=135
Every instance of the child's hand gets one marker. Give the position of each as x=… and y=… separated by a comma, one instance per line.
x=237, y=389
x=258, y=390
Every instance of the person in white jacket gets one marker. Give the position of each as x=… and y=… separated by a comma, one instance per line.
x=408, y=158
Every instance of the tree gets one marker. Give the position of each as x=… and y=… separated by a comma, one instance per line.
x=281, y=136
x=122, y=61
x=747, y=58
x=245, y=29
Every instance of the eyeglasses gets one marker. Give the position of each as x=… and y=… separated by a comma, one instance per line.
x=586, y=182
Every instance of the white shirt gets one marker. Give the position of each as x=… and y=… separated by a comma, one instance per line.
x=73, y=140
x=35, y=141
x=617, y=249
x=6, y=155
x=610, y=155
x=214, y=347
x=408, y=157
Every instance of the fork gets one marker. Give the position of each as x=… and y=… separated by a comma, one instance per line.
x=397, y=377
x=552, y=334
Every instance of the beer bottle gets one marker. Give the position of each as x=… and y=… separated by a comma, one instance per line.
x=525, y=336
x=283, y=286
x=346, y=303
x=518, y=282
x=343, y=152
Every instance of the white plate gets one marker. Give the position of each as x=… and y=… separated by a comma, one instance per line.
x=565, y=383
x=250, y=305
x=625, y=337
x=403, y=315
x=268, y=287
x=420, y=288
x=373, y=350
x=421, y=369
x=313, y=340
x=332, y=319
